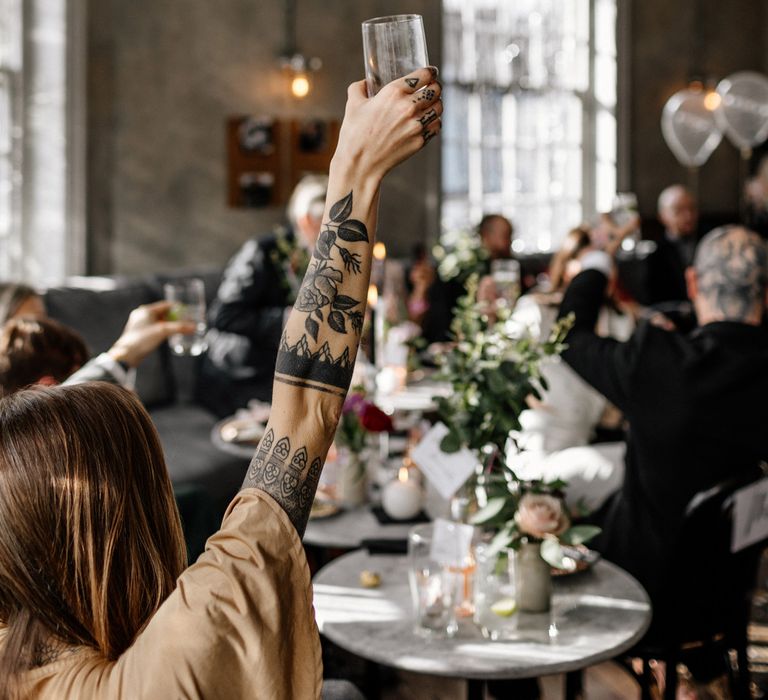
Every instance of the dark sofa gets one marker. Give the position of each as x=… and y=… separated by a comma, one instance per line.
x=204, y=478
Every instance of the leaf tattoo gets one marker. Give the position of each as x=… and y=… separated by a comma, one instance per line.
x=320, y=287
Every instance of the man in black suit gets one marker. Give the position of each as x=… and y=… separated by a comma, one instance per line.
x=695, y=402
x=259, y=286
x=665, y=267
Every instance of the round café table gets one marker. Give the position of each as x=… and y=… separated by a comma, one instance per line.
x=596, y=615
x=350, y=528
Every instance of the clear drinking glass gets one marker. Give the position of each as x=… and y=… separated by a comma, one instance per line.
x=392, y=47
x=495, y=593
x=623, y=211
x=506, y=277
x=187, y=299
x=433, y=586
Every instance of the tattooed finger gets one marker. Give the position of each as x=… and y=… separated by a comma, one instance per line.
x=429, y=132
x=428, y=117
x=419, y=78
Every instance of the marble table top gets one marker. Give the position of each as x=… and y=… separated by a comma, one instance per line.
x=348, y=528
x=596, y=615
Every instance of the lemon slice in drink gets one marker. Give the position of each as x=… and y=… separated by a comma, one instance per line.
x=506, y=607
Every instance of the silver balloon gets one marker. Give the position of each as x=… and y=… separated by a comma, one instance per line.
x=743, y=112
x=689, y=127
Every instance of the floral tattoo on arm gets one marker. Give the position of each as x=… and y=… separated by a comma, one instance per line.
x=319, y=298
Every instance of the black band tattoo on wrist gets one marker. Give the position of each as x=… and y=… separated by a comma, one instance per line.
x=287, y=481
x=297, y=363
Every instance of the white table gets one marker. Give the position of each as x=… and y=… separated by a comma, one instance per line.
x=596, y=615
x=349, y=528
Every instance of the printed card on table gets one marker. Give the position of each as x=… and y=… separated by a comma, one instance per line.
x=750, y=515
x=446, y=472
x=450, y=543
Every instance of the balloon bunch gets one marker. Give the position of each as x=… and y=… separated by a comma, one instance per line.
x=694, y=120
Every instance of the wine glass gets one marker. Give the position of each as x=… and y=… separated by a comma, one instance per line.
x=393, y=46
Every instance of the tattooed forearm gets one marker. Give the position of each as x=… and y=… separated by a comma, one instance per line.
x=289, y=478
x=300, y=362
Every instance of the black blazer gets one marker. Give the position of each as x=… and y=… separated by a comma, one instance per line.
x=696, y=408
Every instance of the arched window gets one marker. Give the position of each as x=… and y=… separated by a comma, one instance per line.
x=530, y=123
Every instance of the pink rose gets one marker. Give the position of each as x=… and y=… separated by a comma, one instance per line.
x=539, y=514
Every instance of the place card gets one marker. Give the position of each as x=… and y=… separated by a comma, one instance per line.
x=750, y=515
x=446, y=472
x=450, y=543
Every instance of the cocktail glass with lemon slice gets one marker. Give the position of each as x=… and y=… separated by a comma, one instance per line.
x=495, y=594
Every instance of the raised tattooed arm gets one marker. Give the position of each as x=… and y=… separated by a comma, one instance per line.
x=320, y=341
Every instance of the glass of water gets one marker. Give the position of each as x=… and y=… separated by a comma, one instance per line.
x=187, y=299
x=495, y=593
x=393, y=46
x=433, y=587
x=506, y=277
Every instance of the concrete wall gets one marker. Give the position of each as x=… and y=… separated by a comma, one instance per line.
x=163, y=77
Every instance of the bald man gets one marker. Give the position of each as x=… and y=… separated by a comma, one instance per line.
x=695, y=403
x=665, y=267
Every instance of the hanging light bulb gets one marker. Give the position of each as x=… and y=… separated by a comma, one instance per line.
x=300, y=85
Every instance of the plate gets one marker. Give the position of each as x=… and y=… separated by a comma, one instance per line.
x=242, y=431
x=583, y=557
x=323, y=509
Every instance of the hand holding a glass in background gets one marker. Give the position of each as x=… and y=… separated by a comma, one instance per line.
x=186, y=303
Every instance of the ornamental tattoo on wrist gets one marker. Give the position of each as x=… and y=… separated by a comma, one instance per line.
x=319, y=298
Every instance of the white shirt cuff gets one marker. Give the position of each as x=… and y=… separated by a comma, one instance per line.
x=126, y=378
x=597, y=260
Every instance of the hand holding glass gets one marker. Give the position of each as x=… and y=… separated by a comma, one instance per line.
x=392, y=47
x=188, y=304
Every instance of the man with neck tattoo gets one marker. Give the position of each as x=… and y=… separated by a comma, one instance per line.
x=695, y=402
x=107, y=611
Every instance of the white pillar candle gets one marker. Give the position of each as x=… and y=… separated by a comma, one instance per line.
x=401, y=498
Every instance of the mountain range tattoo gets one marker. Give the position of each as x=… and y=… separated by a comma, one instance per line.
x=297, y=363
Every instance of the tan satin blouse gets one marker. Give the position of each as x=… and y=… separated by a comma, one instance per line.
x=240, y=624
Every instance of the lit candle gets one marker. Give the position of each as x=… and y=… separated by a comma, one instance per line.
x=377, y=323
x=401, y=498
x=377, y=271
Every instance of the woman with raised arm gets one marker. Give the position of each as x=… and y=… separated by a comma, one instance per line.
x=94, y=602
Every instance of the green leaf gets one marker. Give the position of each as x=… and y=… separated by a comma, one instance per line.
x=579, y=534
x=502, y=540
x=450, y=443
x=342, y=209
x=353, y=231
x=489, y=511
x=552, y=553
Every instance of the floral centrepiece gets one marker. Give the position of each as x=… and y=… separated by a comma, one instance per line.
x=359, y=417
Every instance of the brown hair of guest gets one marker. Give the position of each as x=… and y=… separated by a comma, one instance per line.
x=35, y=350
x=91, y=542
x=575, y=241
x=19, y=300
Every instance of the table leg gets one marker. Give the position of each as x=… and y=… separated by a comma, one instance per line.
x=475, y=689
x=574, y=685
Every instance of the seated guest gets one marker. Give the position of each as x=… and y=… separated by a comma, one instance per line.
x=557, y=430
x=694, y=402
x=260, y=283
x=664, y=269
x=18, y=300
x=94, y=601
x=44, y=351
x=38, y=351
x=495, y=234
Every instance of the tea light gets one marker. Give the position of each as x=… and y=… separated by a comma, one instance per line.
x=401, y=498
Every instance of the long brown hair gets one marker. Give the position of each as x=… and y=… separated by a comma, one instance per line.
x=91, y=541
x=576, y=240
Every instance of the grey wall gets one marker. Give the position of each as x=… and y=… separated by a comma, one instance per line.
x=163, y=77
x=731, y=36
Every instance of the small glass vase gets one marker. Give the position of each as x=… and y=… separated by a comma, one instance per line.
x=533, y=577
x=352, y=479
